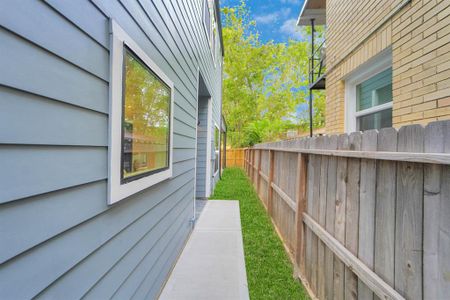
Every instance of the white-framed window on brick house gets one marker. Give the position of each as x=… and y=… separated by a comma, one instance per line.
x=140, y=119
x=368, y=95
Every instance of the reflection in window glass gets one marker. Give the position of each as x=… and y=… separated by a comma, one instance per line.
x=371, y=93
x=375, y=91
x=146, y=120
x=216, y=148
x=378, y=120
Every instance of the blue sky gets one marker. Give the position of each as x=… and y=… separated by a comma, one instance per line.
x=275, y=19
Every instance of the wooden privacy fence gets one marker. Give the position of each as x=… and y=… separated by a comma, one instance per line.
x=363, y=215
x=235, y=157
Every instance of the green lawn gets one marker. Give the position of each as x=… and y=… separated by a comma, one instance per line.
x=269, y=270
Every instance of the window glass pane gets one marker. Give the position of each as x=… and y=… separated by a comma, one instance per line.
x=216, y=138
x=216, y=148
x=374, y=91
x=216, y=162
x=207, y=17
x=376, y=120
x=146, y=115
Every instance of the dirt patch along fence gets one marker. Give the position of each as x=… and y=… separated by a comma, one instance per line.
x=235, y=157
x=363, y=215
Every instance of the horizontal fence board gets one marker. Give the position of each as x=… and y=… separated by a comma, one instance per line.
x=263, y=176
x=371, y=279
x=429, y=158
x=284, y=197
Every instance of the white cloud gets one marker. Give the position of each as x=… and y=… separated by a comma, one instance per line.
x=291, y=1
x=285, y=12
x=267, y=19
x=273, y=17
x=291, y=30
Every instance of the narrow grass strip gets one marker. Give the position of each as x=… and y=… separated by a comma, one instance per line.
x=269, y=270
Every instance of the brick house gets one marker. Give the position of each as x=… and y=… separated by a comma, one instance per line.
x=387, y=61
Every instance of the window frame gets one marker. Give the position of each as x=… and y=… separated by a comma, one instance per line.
x=118, y=190
x=205, y=9
x=376, y=65
x=211, y=37
x=209, y=176
x=216, y=150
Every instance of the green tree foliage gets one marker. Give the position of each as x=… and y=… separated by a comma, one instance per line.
x=263, y=82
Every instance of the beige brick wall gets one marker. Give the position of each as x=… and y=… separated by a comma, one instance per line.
x=419, y=35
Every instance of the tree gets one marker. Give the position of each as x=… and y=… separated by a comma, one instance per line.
x=263, y=82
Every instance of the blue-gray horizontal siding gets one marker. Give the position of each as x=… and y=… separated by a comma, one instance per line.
x=62, y=240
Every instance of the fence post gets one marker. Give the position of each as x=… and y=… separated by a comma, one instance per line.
x=253, y=165
x=246, y=160
x=258, y=170
x=270, y=191
x=302, y=170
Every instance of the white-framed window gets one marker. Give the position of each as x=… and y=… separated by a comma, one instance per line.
x=368, y=95
x=140, y=119
x=216, y=149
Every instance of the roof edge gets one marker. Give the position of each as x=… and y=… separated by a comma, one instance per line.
x=308, y=14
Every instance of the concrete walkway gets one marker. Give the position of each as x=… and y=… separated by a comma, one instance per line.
x=212, y=265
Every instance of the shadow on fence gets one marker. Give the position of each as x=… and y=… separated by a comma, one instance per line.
x=362, y=214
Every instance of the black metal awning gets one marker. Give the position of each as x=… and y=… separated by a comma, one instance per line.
x=319, y=84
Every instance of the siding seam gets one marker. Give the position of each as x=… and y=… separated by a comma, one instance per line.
x=25, y=39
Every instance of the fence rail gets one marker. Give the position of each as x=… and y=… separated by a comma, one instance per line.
x=362, y=215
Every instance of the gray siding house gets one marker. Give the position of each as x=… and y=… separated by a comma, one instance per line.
x=108, y=118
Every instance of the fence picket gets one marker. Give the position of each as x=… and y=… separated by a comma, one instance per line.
x=436, y=215
x=367, y=198
x=309, y=209
x=339, y=221
x=301, y=206
x=385, y=208
x=316, y=162
x=330, y=213
x=352, y=213
x=409, y=216
x=321, y=219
